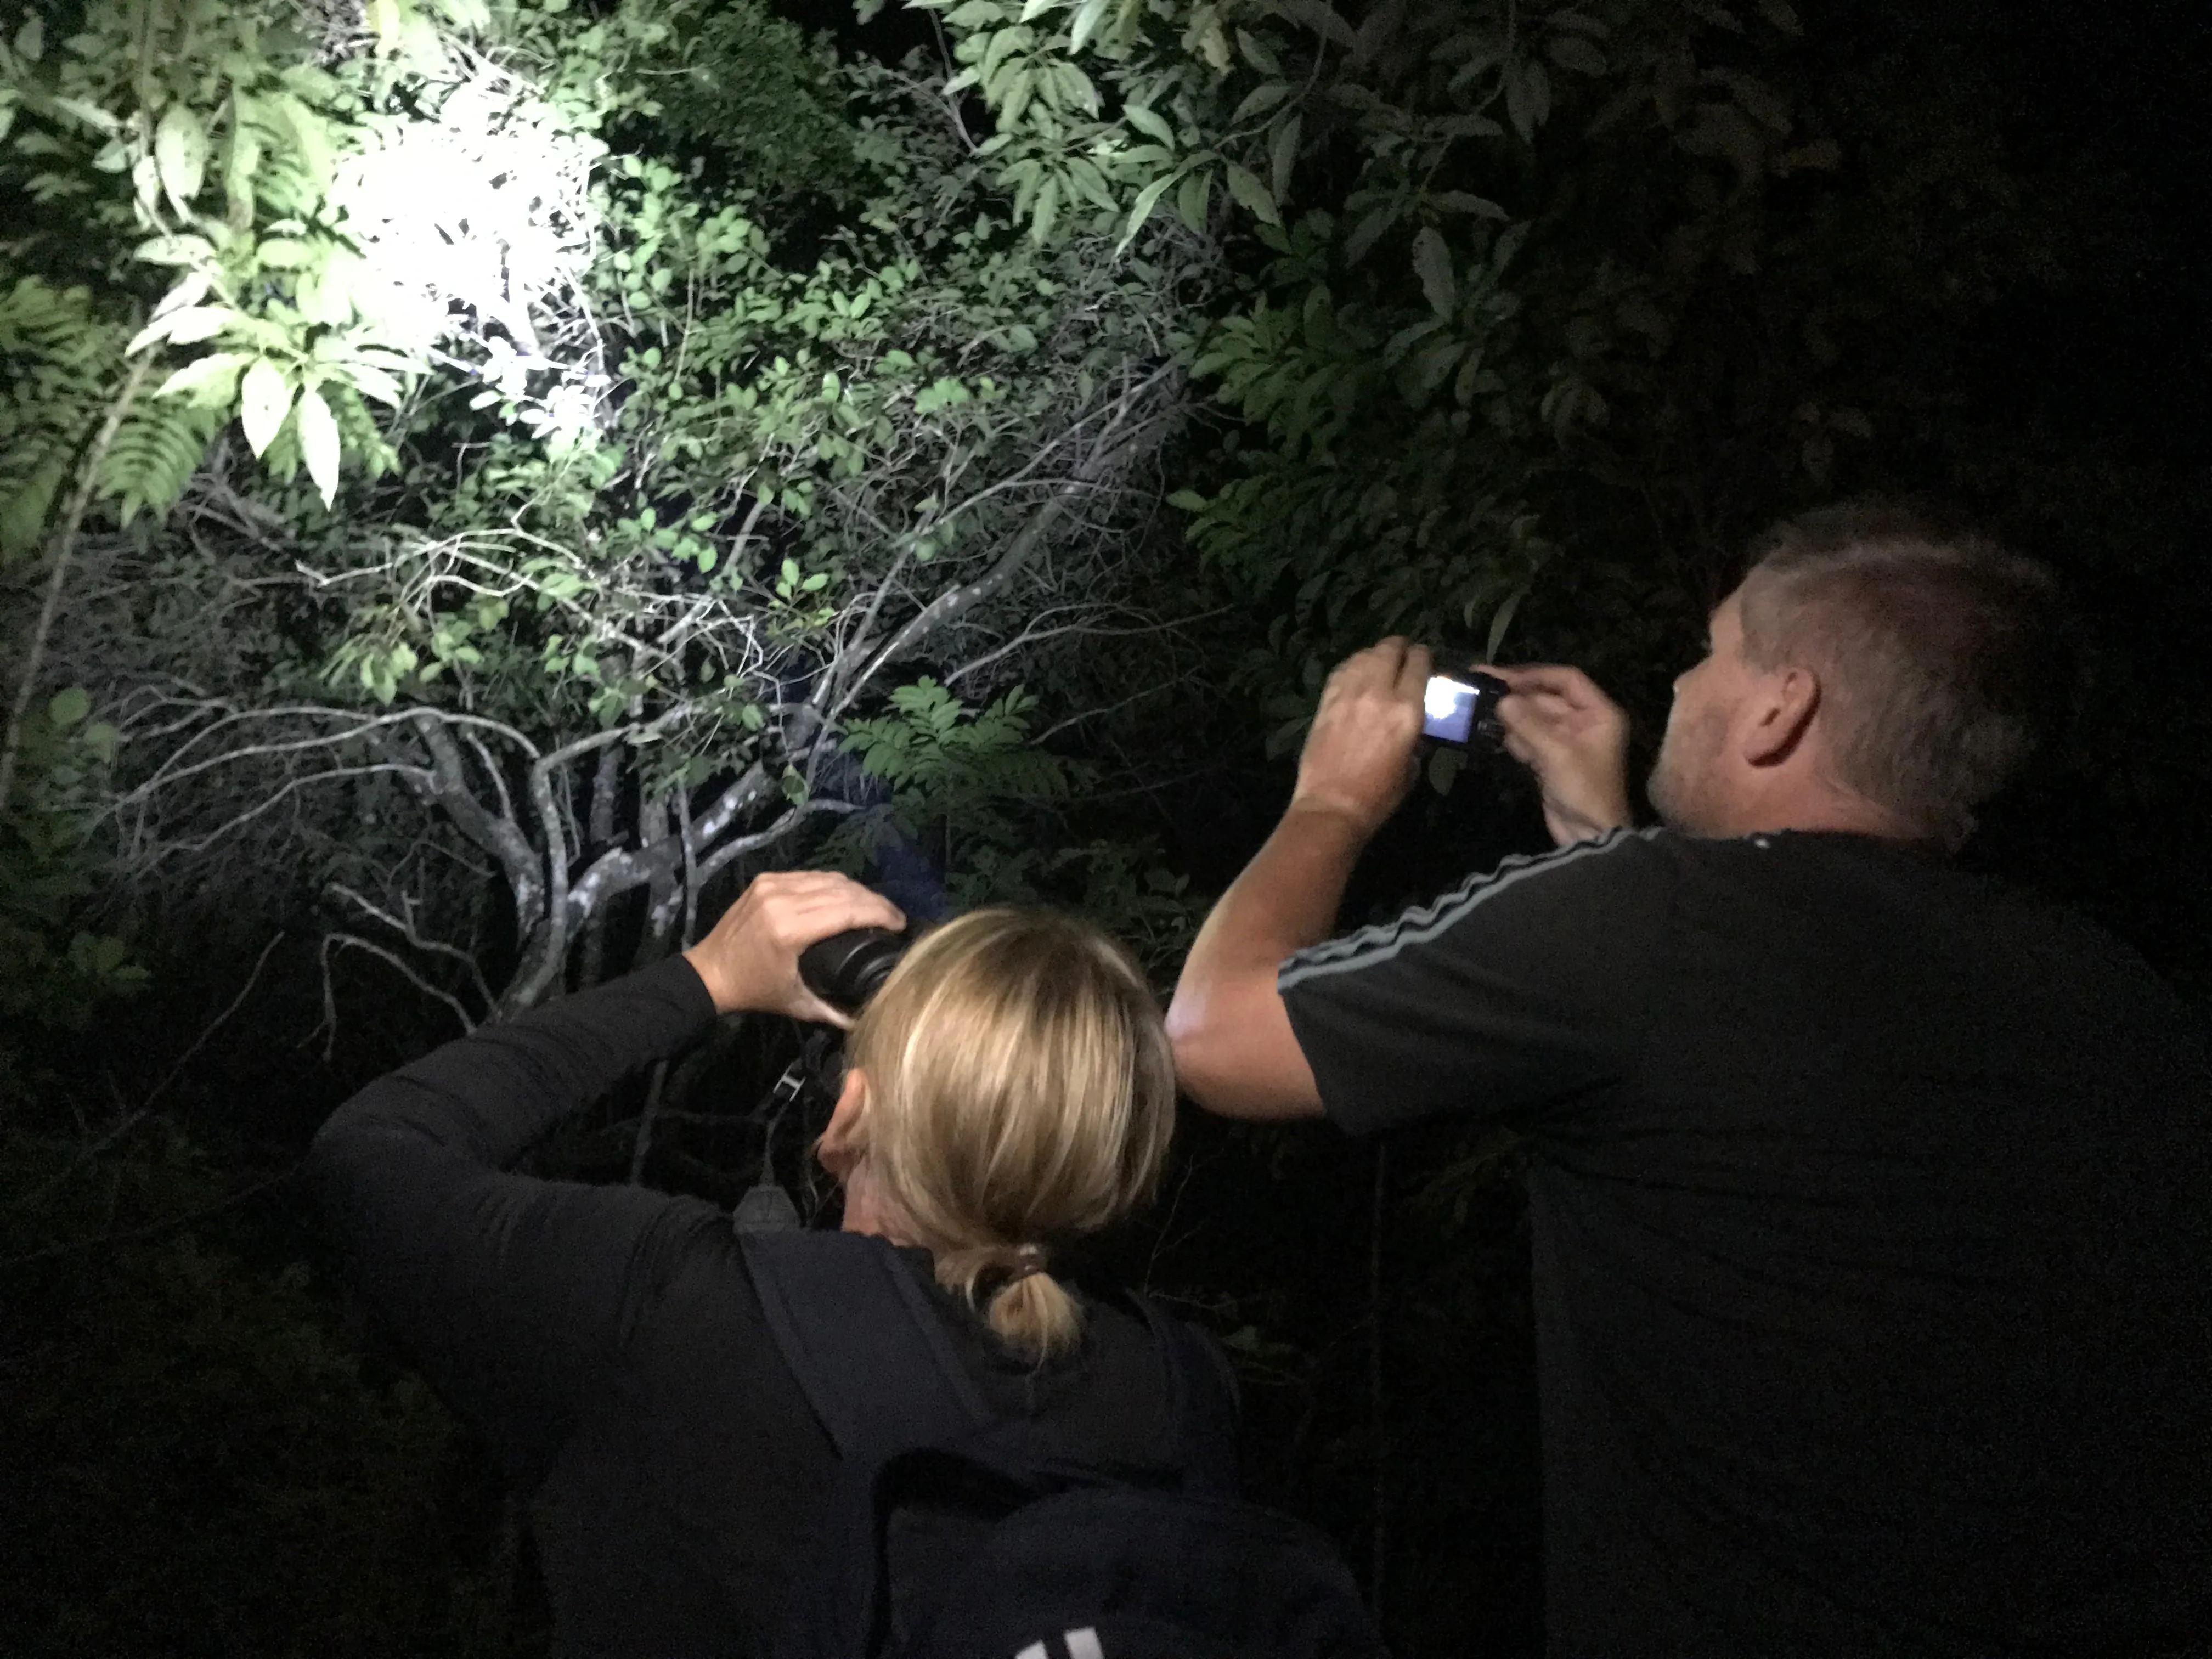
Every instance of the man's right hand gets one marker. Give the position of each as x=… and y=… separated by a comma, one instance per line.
x=1575, y=739
x=1359, y=758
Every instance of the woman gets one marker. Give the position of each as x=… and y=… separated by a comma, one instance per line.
x=1011, y=1087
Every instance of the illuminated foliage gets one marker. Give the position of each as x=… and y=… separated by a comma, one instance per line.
x=662, y=492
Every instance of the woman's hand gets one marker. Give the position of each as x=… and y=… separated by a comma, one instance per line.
x=749, y=962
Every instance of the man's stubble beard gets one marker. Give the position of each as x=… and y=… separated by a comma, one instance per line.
x=1679, y=785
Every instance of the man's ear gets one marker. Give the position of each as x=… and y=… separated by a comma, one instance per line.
x=845, y=1142
x=1780, y=713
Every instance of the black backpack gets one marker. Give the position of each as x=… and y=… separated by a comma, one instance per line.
x=953, y=1536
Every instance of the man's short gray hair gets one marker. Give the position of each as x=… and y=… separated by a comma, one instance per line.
x=1933, y=645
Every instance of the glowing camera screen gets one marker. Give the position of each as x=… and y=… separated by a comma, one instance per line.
x=1459, y=711
x=1447, y=705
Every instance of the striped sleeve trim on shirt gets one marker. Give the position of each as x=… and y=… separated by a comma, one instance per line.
x=1423, y=922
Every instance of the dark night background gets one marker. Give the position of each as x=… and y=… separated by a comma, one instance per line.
x=208, y=1454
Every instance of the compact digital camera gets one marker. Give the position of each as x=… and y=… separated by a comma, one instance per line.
x=1460, y=709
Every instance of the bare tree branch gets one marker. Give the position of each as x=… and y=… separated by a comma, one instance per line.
x=333, y=942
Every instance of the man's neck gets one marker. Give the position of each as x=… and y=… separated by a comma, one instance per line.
x=1810, y=813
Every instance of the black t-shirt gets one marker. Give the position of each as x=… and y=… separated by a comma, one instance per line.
x=610, y=1344
x=1872, y=1220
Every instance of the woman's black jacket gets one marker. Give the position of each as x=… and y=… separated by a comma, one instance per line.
x=608, y=1342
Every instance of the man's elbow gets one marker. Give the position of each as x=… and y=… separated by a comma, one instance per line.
x=1214, y=1068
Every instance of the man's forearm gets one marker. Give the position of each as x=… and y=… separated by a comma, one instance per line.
x=1287, y=897
x=1235, y=1051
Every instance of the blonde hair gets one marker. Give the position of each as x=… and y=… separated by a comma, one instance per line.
x=1020, y=1092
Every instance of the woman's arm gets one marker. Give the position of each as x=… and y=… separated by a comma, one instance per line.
x=515, y=1296
x=511, y=1293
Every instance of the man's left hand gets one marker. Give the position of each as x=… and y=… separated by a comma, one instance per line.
x=1575, y=740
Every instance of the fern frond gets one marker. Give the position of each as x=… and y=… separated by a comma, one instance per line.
x=160, y=444
x=58, y=359
x=56, y=327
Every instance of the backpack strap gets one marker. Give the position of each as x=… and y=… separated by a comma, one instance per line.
x=870, y=1352
x=1201, y=1401
x=861, y=1338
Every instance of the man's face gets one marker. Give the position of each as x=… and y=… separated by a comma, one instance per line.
x=1691, y=781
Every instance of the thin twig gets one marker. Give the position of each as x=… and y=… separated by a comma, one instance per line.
x=214, y=1024
x=131, y=1120
x=355, y=941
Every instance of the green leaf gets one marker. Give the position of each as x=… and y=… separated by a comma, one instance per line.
x=1393, y=352
x=190, y=324
x=1015, y=90
x=264, y=400
x=319, y=443
x=1318, y=17
x=1047, y=211
x=189, y=291
x=1257, y=54
x=186, y=325
x=1147, y=199
x=1004, y=45
x=1370, y=231
x=940, y=394
x=1432, y=264
x=103, y=740
x=1432, y=363
x=1195, y=199
x=1283, y=154
x=69, y=706
x=1445, y=765
x=1246, y=187
x=283, y=253
x=91, y=114
x=373, y=382
x=310, y=133
x=180, y=151
x=1460, y=201
x=176, y=251
x=1503, y=620
x=1528, y=97
x=1507, y=245
x=1572, y=52
x=31, y=40
x=201, y=372
x=1088, y=16
x=1261, y=99
x=23, y=507
x=1149, y=123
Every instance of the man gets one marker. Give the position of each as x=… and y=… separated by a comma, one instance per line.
x=1871, y=1205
